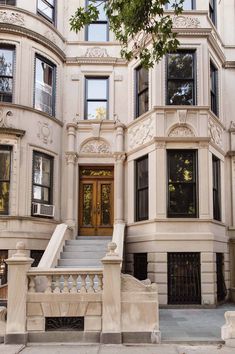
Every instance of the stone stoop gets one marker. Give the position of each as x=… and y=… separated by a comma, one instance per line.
x=85, y=251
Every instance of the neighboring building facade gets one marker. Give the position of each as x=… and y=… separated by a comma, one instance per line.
x=89, y=139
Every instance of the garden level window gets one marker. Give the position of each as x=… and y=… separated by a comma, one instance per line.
x=214, y=88
x=96, y=106
x=98, y=31
x=142, y=91
x=44, y=92
x=6, y=73
x=5, y=173
x=46, y=8
x=212, y=11
x=182, y=183
x=142, y=189
x=187, y=5
x=216, y=188
x=181, y=78
x=42, y=178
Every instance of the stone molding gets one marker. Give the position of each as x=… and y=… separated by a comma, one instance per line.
x=185, y=22
x=71, y=157
x=96, y=146
x=141, y=134
x=4, y=118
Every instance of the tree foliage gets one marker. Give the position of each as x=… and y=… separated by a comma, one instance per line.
x=135, y=23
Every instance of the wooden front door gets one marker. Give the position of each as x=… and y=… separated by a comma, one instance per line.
x=96, y=201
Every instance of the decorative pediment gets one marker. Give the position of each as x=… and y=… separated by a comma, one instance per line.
x=96, y=146
x=181, y=131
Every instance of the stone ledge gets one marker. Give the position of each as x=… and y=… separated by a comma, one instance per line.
x=64, y=337
x=16, y=338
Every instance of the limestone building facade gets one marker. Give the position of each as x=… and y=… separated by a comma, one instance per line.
x=91, y=140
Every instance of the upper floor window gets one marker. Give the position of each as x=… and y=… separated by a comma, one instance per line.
x=212, y=10
x=96, y=106
x=44, y=91
x=42, y=178
x=6, y=73
x=142, y=189
x=187, y=5
x=98, y=31
x=142, y=91
x=5, y=173
x=181, y=78
x=7, y=2
x=214, y=88
x=182, y=183
x=46, y=8
x=216, y=188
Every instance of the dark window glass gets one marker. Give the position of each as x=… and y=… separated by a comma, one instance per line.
x=214, y=88
x=3, y=267
x=46, y=8
x=212, y=10
x=181, y=78
x=216, y=188
x=36, y=255
x=7, y=2
x=182, y=183
x=42, y=178
x=5, y=174
x=141, y=266
x=142, y=189
x=44, y=86
x=142, y=91
x=96, y=98
x=98, y=30
x=6, y=73
x=187, y=5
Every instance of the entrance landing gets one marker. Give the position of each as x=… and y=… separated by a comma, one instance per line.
x=193, y=325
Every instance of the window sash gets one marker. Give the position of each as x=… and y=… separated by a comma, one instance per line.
x=212, y=11
x=214, y=88
x=7, y=2
x=189, y=186
x=216, y=188
x=97, y=23
x=142, y=192
x=6, y=80
x=104, y=99
x=46, y=190
x=5, y=181
x=51, y=5
x=193, y=5
x=141, y=93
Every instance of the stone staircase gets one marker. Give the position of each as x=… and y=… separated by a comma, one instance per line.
x=84, y=252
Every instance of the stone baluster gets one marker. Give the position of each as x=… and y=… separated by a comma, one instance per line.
x=83, y=283
x=57, y=285
x=18, y=267
x=49, y=284
x=99, y=286
x=91, y=284
x=74, y=284
x=32, y=286
x=66, y=285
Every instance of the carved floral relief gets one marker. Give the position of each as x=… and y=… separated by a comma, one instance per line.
x=181, y=131
x=45, y=133
x=215, y=132
x=186, y=22
x=141, y=134
x=12, y=17
x=96, y=52
x=96, y=146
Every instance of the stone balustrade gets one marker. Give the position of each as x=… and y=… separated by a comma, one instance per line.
x=64, y=281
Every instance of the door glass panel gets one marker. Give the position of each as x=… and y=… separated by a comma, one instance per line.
x=98, y=173
x=87, y=204
x=105, y=204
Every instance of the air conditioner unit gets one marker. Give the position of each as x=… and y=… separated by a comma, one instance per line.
x=43, y=209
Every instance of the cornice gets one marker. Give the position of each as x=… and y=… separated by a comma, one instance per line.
x=12, y=131
x=18, y=30
x=97, y=61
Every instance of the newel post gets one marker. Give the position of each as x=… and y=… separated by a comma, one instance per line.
x=111, y=297
x=18, y=266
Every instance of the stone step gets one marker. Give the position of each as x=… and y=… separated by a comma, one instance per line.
x=103, y=238
x=86, y=248
x=79, y=262
x=82, y=255
x=85, y=242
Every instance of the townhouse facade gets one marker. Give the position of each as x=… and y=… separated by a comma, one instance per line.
x=91, y=140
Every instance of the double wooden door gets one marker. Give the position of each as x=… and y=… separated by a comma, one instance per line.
x=96, y=201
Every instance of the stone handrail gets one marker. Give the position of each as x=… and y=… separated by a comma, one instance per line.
x=55, y=245
x=65, y=280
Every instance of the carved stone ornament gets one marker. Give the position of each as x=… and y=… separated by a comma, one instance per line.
x=141, y=134
x=45, y=133
x=131, y=284
x=49, y=35
x=71, y=157
x=96, y=146
x=215, y=132
x=96, y=52
x=5, y=119
x=12, y=17
x=120, y=156
x=182, y=116
x=181, y=131
x=185, y=22
x=232, y=125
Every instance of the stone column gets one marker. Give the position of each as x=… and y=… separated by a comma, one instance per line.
x=71, y=159
x=120, y=157
x=18, y=266
x=111, y=297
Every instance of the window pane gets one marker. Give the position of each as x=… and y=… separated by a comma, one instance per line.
x=181, y=167
x=6, y=62
x=37, y=192
x=180, y=66
x=7, y=2
x=42, y=170
x=96, y=110
x=4, y=197
x=45, y=8
x=97, y=32
x=97, y=89
x=5, y=85
x=142, y=78
x=142, y=173
x=143, y=104
x=142, y=205
x=187, y=5
x=142, y=191
x=100, y=8
x=182, y=199
x=5, y=164
x=180, y=93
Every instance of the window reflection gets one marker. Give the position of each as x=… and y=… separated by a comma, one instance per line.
x=6, y=74
x=42, y=178
x=5, y=169
x=187, y=5
x=96, y=98
x=98, y=31
x=46, y=8
x=142, y=93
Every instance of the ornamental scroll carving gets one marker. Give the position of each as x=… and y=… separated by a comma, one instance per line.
x=215, y=132
x=181, y=131
x=12, y=17
x=71, y=157
x=5, y=119
x=186, y=22
x=96, y=52
x=45, y=133
x=141, y=134
x=96, y=146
